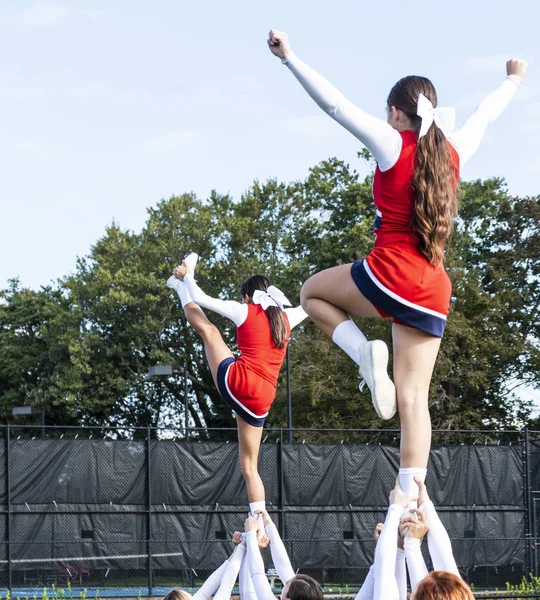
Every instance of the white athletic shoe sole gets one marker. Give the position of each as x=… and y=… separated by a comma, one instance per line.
x=374, y=370
x=191, y=260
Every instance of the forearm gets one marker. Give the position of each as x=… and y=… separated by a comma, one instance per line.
x=262, y=588
x=366, y=591
x=468, y=138
x=385, y=587
x=280, y=558
x=415, y=561
x=401, y=574
x=234, y=311
x=247, y=591
x=208, y=588
x=440, y=546
x=230, y=574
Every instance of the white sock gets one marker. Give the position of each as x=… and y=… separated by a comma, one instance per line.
x=183, y=292
x=348, y=337
x=254, y=507
x=408, y=484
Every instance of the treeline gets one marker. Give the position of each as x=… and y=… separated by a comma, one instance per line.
x=80, y=350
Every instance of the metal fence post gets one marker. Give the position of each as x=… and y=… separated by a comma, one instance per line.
x=527, y=498
x=8, y=500
x=149, y=512
x=281, y=494
x=289, y=403
x=186, y=404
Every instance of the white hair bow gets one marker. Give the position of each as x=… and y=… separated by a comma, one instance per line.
x=444, y=116
x=272, y=297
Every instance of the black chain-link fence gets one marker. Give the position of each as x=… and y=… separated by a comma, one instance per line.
x=146, y=510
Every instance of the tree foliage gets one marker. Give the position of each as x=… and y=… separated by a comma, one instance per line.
x=82, y=350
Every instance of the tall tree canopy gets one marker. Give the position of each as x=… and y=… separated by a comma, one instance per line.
x=82, y=350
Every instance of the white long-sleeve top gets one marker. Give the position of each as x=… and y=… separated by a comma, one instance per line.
x=415, y=561
x=263, y=591
x=237, y=312
x=381, y=139
x=222, y=579
x=247, y=591
x=367, y=589
x=384, y=581
x=439, y=544
x=280, y=558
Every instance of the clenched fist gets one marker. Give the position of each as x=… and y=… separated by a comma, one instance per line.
x=516, y=66
x=278, y=42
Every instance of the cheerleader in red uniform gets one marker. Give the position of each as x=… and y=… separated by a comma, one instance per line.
x=418, y=157
x=248, y=383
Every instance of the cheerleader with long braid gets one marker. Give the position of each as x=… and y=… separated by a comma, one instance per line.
x=419, y=157
x=247, y=383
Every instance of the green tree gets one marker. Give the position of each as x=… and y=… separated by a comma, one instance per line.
x=113, y=318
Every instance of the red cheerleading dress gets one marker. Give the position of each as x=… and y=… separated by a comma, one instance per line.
x=396, y=277
x=248, y=383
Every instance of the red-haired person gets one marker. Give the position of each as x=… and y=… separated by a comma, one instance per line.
x=419, y=156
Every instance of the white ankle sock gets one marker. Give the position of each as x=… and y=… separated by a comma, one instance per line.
x=348, y=337
x=408, y=484
x=256, y=506
x=183, y=292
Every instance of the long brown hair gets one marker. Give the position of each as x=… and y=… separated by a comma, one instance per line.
x=434, y=179
x=304, y=587
x=441, y=585
x=274, y=313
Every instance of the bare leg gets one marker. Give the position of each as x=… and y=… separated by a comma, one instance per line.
x=215, y=348
x=415, y=353
x=329, y=297
x=249, y=441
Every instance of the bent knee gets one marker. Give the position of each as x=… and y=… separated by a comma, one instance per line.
x=209, y=332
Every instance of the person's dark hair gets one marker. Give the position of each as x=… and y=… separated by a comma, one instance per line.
x=274, y=313
x=441, y=585
x=177, y=595
x=304, y=587
x=434, y=179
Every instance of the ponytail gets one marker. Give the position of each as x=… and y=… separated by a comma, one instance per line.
x=275, y=315
x=434, y=179
x=435, y=204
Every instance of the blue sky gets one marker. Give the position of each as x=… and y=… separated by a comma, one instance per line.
x=107, y=107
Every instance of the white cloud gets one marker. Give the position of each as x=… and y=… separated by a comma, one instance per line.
x=170, y=142
x=40, y=15
x=45, y=14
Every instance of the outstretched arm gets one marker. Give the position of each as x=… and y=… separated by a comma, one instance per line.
x=209, y=587
x=230, y=574
x=280, y=558
x=439, y=544
x=440, y=547
x=467, y=139
x=235, y=311
x=295, y=315
x=380, y=138
x=263, y=591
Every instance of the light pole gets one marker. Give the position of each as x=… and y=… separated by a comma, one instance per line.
x=27, y=410
x=167, y=371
